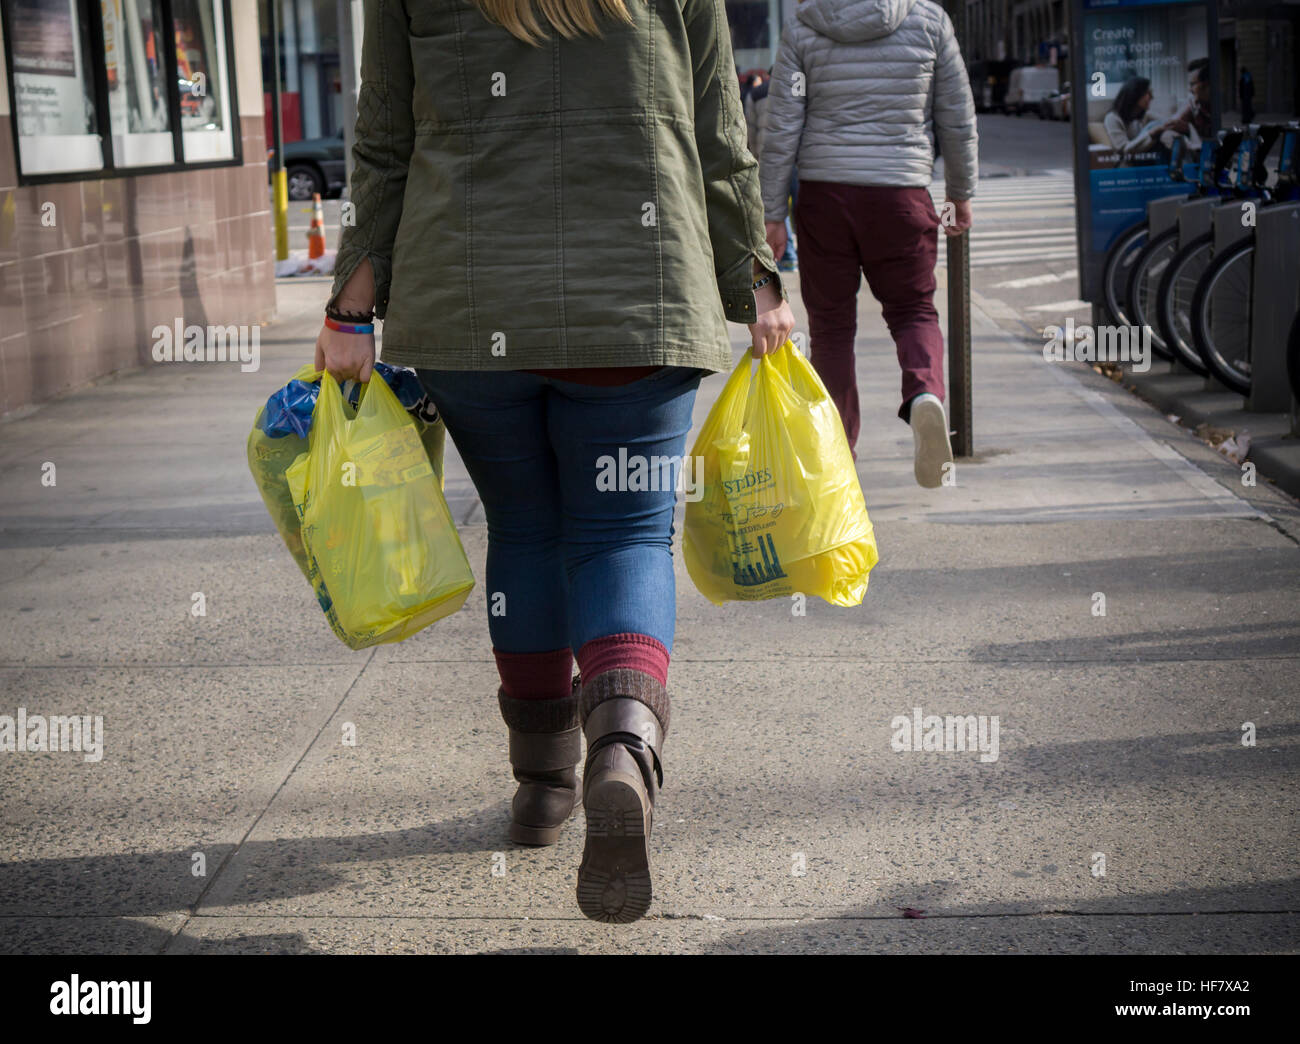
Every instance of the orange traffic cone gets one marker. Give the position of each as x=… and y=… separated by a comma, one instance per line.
x=316, y=234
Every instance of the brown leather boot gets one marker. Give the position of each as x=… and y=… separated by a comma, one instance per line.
x=545, y=748
x=621, y=780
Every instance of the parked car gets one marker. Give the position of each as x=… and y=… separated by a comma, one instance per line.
x=1056, y=106
x=314, y=165
x=1029, y=85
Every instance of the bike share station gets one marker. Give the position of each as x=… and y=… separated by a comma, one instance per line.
x=1184, y=229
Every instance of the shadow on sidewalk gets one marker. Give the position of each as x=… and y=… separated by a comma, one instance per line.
x=1089, y=927
x=1228, y=642
x=109, y=889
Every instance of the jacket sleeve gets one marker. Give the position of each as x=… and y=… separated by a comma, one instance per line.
x=731, y=190
x=385, y=133
x=782, y=127
x=954, y=116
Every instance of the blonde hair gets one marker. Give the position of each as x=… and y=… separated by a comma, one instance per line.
x=570, y=17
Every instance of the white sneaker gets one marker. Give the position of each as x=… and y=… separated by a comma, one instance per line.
x=930, y=433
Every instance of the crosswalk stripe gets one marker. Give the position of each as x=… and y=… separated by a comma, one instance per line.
x=1044, y=196
x=988, y=262
x=1037, y=280
x=1028, y=250
x=1026, y=242
x=1047, y=235
x=1032, y=219
x=1009, y=202
x=1020, y=259
x=1017, y=258
x=981, y=192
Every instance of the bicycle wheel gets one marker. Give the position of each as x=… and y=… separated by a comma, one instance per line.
x=1221, y=316
x=1114, y=274
x=1143, y=281
x=1174, y=300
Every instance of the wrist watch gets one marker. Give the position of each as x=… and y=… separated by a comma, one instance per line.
x=740, y=305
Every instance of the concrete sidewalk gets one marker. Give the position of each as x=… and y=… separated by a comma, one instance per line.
x=228, y=815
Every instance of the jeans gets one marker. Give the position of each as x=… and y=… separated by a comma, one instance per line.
x=790, y=257
x=891, y=236
x=569, y=561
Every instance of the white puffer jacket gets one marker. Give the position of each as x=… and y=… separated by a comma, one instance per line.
x=856, y=87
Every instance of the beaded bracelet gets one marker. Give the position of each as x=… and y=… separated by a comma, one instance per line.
x=762, y=282
x=349, y=328
x=340, y=316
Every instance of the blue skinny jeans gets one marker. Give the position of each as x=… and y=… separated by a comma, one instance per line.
x=572, y=561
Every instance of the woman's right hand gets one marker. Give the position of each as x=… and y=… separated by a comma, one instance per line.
x=346, y=356
x=774, y=323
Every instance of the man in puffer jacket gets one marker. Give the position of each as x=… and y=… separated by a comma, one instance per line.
x=856, y=88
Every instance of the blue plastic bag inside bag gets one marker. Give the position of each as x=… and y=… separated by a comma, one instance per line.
x=289, y=410
x=280, y=436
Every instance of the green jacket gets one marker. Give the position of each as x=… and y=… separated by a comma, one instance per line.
x=589, y=202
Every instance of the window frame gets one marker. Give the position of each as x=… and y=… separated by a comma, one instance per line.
x=92, y=31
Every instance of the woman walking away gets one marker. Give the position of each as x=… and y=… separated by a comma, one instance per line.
x=555, y=215
x=856, y=86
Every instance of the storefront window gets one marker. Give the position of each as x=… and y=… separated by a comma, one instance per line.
x=99, y=87
x=53, y=88
x=201, y=75
x=137, y=90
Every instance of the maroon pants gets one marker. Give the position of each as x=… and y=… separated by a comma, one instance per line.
x=890, y=235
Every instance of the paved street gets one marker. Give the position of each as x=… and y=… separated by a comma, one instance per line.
x=1019, y=145
x=1024, y=260
x=1122, y=812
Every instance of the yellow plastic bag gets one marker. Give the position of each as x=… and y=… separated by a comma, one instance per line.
x=381, y=549
x=782, y=509
x=270, y=456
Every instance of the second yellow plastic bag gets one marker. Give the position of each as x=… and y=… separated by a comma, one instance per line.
x=782, y=509
x=382, y=549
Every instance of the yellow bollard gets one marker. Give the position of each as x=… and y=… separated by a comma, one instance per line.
x=280, y=206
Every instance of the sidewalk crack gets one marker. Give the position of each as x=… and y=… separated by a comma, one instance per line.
x=193, y=909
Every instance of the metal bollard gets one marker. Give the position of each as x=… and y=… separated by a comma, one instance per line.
x=1275, y=295
x=960, y=412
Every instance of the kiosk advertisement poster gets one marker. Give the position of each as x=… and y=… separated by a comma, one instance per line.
x=1145, y=74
